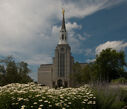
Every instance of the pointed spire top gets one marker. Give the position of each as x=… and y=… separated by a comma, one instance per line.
x=63, y=11
x=63, y=22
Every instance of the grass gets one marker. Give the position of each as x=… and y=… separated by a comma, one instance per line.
x=110, y=96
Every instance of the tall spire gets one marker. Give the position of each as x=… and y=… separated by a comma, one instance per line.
x=63, y=33
x=63, y=22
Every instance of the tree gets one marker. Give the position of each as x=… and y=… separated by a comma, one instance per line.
x=2, y=69
x=83, y=75
x=12, y=75
x=75, y=76
x=89, y=73
x=12, y=72
x=23, y=68
x=23, y=71
x=110, y=64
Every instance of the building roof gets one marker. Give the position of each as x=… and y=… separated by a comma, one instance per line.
x=46, y=64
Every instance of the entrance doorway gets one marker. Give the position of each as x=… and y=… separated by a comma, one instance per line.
x=59, y=83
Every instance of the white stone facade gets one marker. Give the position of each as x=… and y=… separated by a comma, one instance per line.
x=58, y=73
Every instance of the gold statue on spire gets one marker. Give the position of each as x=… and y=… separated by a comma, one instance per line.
x=63, y=11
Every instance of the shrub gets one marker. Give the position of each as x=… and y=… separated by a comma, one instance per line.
x=110, y=97
x=34, y=96
x=121, y=80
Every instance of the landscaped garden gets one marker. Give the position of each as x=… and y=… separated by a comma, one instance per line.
x=101, y=92
x=35, y=96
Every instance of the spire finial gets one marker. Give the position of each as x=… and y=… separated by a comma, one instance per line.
x=63, y=22
x=63, y=11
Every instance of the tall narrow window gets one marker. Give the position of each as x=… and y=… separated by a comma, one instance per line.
x=62, y=65
x=62, y=36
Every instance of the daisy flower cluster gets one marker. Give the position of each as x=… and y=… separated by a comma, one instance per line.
x=35, y=96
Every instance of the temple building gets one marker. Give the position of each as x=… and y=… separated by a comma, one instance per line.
x=58, y=73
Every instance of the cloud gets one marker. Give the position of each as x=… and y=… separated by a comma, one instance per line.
x=27, y=26
x=80, y=37
x=87, y=35
x=69, y=26
x=88, y=51
x=73, y=37
x=90, y=60
x=83, y=8
x=73, y=25
x=117, y=45
x=39, y=59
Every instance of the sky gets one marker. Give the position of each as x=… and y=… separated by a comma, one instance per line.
x=29, y=29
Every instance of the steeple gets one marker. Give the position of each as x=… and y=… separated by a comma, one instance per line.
x=63, y=22
x=63, y=34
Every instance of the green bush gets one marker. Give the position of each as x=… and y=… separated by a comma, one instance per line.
x=34, y=96
x=121, y=80
x=110, y=97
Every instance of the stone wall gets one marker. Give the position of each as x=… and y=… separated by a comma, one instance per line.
x=45, y=73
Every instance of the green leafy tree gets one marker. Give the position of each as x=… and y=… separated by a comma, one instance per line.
x=75, y=76
x=12, y=72
x=23, y=68
x=12, y=75
x=110, y=64
x=89, y=73
x=2, y=69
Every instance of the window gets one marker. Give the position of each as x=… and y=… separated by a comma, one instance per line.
x=62, y=65
x=62, y=36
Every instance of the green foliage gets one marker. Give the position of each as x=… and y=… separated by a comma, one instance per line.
x=34, y=96
x=108, y=97
x=12, y=72
x=121, y=80
x=84, y=75
x=23, y=68
x=2, y=69
x=89, y=74
x=110, y=64
x=76, y=77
